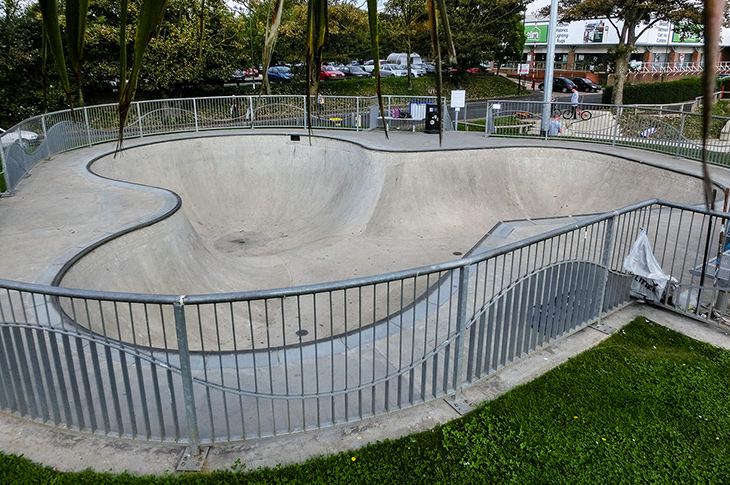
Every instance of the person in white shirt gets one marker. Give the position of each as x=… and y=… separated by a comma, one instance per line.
x=555, y=128
x=574, y=102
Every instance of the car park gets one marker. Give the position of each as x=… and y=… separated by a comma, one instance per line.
x=585, y=84
x=330, y=72
x=562, y=84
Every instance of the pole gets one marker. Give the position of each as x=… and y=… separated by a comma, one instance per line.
x=549, y=63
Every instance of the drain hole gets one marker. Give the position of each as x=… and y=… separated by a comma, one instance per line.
x=301, y=333
x=457, y=253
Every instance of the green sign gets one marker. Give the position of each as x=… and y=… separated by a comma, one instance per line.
x=536, y=34
x=689, y=38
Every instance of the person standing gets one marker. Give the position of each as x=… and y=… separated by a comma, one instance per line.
x=555, y=128
x=574, y=103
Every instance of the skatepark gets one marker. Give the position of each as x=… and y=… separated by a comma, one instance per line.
x=277, y=283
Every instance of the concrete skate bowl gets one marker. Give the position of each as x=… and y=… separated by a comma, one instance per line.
x=261, y=212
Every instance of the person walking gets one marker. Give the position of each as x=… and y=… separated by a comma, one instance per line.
x=574, y=103
x=555, y=128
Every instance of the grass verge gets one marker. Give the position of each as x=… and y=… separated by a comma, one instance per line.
x=648, y=405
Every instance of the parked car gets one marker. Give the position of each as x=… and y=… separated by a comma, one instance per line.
x=279, y=73
x=474, y=70
x=415, y=72
x=25, y=137
x=389, y=70
x=430, y=67
x=238, y=75
x=330, y=72
x=369, y=66
x=562, y=84
x=584, y=84
x=355, y=71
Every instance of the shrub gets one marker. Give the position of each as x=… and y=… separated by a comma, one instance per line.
x=658, y=93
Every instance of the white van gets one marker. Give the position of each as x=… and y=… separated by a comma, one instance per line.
x=400, y=59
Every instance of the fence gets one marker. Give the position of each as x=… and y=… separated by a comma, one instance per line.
x=217, y=368
x=671, y=131
x=43, y=136
x=238, y=366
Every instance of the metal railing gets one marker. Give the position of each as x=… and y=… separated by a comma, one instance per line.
x=672, y=131
x=217, y=368
x=46, y=135
x=43, y=136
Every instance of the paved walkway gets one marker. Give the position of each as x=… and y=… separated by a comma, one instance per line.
x=59, y=207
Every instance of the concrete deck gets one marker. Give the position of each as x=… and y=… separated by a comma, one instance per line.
x=61, y=207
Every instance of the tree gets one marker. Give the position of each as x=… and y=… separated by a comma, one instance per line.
x=409, y=21
x=630, y=19
x=486, y=29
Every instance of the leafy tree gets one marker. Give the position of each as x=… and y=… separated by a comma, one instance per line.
x=409, y=22
x=630, y=19
x=487, y=30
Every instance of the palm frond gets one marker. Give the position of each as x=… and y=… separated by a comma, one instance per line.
x=270, y=41
x=150, y=17
x=713, y=17
x=375, y=46
x=447, y=32
x=76, y=13
x=201, y=31
x=316, y=32
x=433, y=27
x=49, y=12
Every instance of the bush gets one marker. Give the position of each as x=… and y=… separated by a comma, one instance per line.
x=658, y=93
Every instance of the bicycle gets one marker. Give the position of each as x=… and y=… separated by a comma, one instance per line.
x=583, y=114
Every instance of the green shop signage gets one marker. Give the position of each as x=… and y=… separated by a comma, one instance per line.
x=536, y=34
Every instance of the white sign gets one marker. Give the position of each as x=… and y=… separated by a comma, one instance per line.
x=458, y=98
x=523, y=69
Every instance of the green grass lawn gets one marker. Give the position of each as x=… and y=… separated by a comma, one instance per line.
x=648, y=405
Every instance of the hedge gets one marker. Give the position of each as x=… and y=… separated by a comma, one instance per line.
x=685, y=89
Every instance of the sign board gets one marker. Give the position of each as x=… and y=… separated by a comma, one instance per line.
x=599, y=31
x=458, y=98
x=536, y=34
x=523, y=69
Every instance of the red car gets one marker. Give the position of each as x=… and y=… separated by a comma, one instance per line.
x=329, y=72
x=474, y=70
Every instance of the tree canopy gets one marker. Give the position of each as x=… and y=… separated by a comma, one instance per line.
x=488, y=30
x=630, y=18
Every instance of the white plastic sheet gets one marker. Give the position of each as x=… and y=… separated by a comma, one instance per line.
x=649, y=280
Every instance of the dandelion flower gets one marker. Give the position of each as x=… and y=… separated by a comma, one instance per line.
x=353, y=458
x=603, y=439
x=575, y=417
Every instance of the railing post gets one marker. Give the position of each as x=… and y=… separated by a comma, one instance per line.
x=186, y=373
x=681, y=132
x=88, y=127
x=357, y=114
x=461, y=319
x=606, y=261
x=615, y=125
x=139, y=120
x=195, y=114
x=250, y=110
x=45, y=136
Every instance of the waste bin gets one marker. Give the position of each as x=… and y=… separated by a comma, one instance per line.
x=432, y=118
